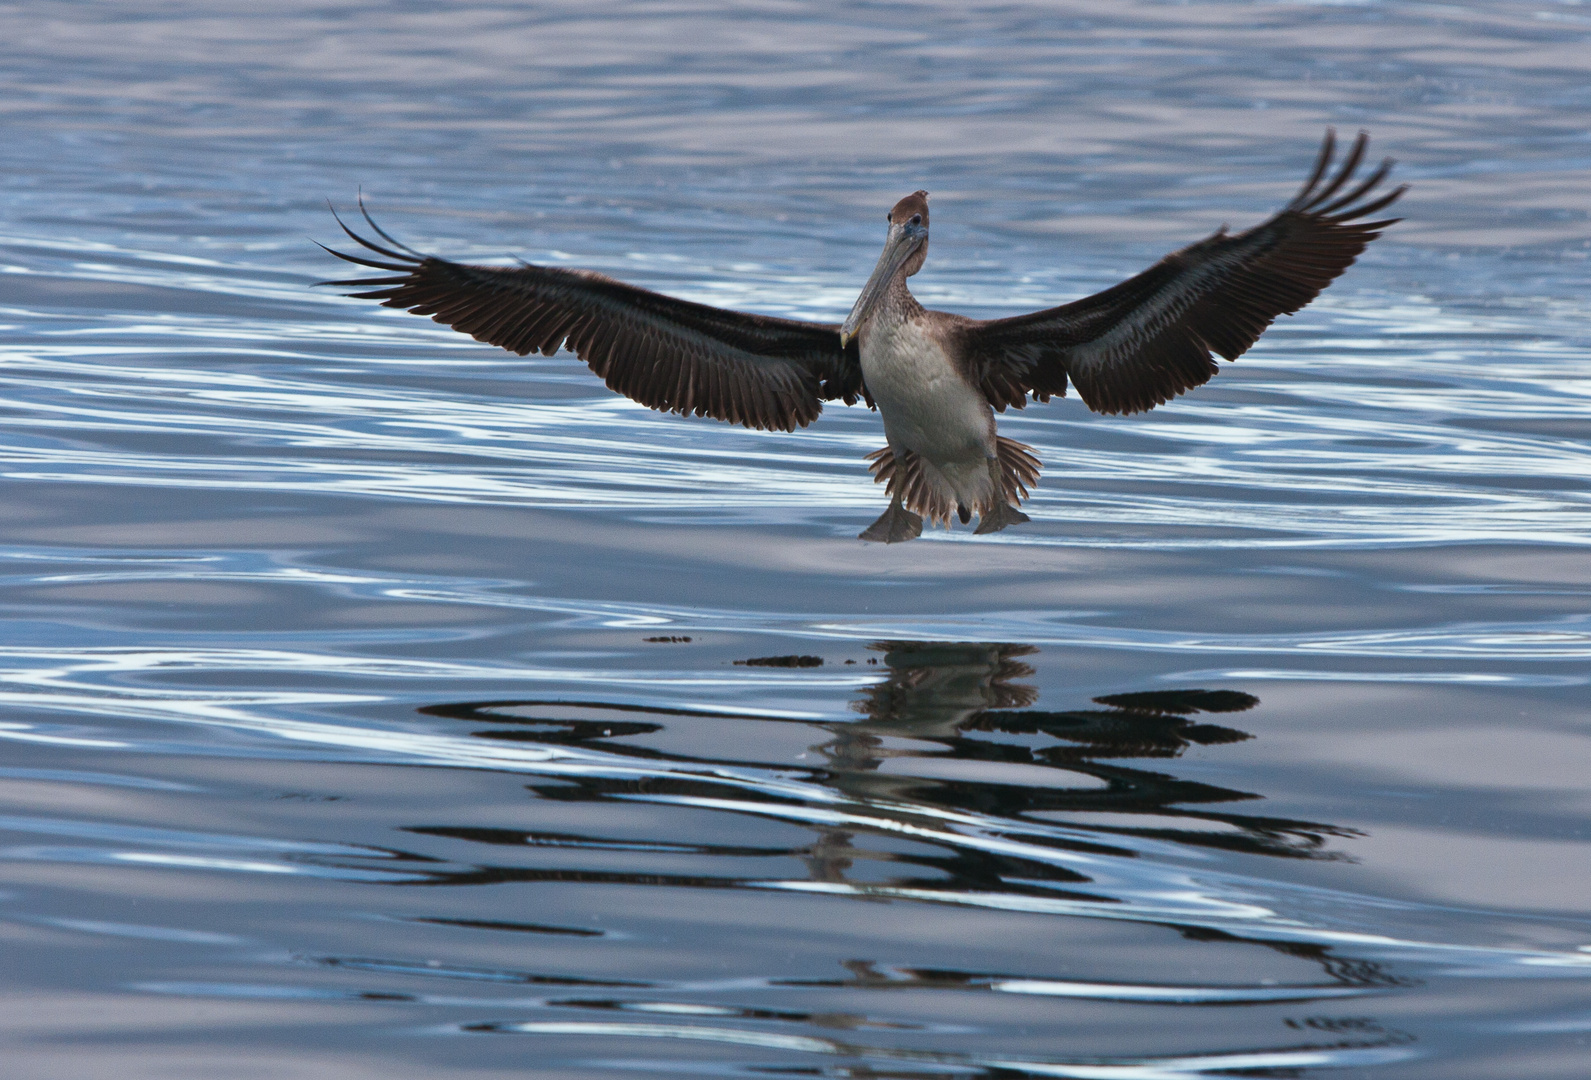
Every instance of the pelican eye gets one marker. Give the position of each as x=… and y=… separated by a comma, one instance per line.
x=917, y=219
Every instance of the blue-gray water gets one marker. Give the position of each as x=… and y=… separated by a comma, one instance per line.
x=335, y=746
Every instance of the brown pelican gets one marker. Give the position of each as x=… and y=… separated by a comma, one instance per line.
x=935, y=378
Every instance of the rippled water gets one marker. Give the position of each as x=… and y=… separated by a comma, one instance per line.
x=380, y=704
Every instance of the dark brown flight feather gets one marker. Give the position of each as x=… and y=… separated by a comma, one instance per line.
x=1148, y=339
x=669, y=354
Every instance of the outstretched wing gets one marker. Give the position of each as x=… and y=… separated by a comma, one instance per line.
x=1148, y=339
x=670, y=354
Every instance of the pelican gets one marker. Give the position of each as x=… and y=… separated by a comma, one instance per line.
x=935, y=378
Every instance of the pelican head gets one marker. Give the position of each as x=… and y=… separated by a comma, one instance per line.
x=905, y=249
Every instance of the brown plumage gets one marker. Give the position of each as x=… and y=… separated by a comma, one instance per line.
x=1140, y=343
x=1019, y=471
x=669, y=354
x=1127, y=349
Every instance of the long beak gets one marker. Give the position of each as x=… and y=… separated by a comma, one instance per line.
x=902, y=241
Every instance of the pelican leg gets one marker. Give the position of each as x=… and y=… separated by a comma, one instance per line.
x=896, y=525
x=1002, y=513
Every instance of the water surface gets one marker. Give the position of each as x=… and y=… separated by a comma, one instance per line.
x=381, y=704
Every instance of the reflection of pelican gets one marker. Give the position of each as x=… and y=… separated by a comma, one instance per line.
x=936, y=688
x=936, y=378
x=948, y=728
x=962, y=700
x=872, y=830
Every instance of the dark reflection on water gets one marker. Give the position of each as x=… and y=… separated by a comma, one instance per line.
x=956, y=704
x=971, y=747
x=948, y=730
x=1359, y=1041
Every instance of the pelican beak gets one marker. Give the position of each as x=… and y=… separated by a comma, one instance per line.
x=902, y=242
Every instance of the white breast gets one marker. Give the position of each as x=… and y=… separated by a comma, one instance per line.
x=927, y=407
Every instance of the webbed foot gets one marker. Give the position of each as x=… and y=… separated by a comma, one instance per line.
x=895, y=526
x=1002, y=515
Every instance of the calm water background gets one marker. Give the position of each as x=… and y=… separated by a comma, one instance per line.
x=334, y=743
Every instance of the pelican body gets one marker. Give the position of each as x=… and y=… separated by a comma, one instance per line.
x=935, y=378
x=943, y=451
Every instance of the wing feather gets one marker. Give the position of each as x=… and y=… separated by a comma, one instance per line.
x=1140, y=343
x=666, y=353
